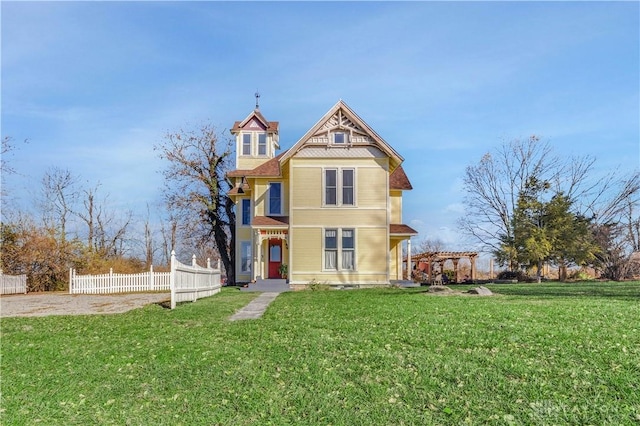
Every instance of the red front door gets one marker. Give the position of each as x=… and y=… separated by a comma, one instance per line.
x=275, y=257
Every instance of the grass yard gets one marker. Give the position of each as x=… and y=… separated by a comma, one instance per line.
x=538, y=354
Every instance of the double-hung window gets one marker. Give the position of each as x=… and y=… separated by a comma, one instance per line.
x=339, y=187
x=246, y=211
x=347, y=187
x=275, y=198
x=339, y=249
x=348, y=249
x=246, y=144
x=331, y=187
x=262, y=144
x=245, y=256
x=330, y=249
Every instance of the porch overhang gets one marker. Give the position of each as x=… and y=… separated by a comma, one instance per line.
x=266, y=227
x=399, y=230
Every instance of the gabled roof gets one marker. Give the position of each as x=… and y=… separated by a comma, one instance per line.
x=343, y=110
x=271, y=126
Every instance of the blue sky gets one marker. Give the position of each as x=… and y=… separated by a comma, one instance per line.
x=94, y=85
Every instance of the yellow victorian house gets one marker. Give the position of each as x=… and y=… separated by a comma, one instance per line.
x=327, y=210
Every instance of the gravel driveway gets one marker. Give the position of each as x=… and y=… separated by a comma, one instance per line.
x=43, y=304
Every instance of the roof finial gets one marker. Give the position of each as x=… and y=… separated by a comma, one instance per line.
x=257, y=95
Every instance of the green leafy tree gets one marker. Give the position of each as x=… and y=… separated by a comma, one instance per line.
x=547, y=230
x=531, y=225
x=570, y=234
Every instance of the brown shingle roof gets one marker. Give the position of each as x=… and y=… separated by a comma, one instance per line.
x=270, y=221
x=401, y=229
x=399, y=179
x=238, y=173
x=272, y=126
x=270, y=168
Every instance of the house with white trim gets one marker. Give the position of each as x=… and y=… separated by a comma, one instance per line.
x=329, y=208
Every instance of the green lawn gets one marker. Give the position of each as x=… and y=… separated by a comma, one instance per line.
x=538, y=354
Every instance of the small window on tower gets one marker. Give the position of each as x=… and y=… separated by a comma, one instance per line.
x=262, y=144
x=246, y=144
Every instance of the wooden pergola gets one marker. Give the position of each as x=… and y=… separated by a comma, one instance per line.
x=432, y=258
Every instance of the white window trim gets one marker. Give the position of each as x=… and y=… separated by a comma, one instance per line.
x=250, y=254
x=243, y=134
x=339, y=249
x=347, y=137
x=339, y=187
x=270, y=213
x=242, y=201
x=266, y=144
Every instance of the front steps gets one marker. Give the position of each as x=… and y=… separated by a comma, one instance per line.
x=268, y=286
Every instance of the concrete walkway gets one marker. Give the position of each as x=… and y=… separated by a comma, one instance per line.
x=255, y=308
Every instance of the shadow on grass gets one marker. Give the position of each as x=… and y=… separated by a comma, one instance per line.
x=612, y=290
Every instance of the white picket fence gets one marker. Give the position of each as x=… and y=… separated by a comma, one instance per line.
x=13, y=284
x=118, y=283
x=187, y=283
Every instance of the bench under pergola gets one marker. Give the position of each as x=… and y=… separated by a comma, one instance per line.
x=439, y=258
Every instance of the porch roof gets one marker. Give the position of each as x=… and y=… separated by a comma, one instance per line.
x=399, y=229
x=270, y=222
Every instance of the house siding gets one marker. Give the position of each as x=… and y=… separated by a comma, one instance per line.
x=374, y=206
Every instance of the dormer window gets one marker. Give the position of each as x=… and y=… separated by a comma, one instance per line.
x=246, y=144
x=340, y=138
x=262, y=144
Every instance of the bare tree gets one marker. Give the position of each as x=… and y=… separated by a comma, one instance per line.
x=428, y=245
x=494, y=184
x=89, y=213
x=196, y=188
x=169, y=233
x=7, y=147
x=111, y=233
x=59, y=195
x=150, y=247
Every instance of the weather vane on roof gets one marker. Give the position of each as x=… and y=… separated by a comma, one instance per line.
x=257, y=99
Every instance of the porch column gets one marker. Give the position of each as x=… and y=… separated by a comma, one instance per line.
x=473, y=267
x=491, y=268
x=431, y=263
x=409, y=269
x=456, y=275
x=257, y=266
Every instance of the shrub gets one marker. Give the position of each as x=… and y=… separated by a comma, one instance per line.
x=316, y=286
x=514, y=275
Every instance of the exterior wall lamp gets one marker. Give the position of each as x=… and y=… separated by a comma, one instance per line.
x=242, y=182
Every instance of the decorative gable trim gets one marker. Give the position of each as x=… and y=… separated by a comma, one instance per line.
x=258, y=118
x=343, y=118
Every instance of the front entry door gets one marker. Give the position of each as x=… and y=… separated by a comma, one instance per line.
x=275, y=257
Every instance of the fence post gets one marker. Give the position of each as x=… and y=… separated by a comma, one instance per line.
x=194, y=278
x=208, y=263
x=151, y=278
x=219, y=265
x=172, y=279
x=70, y=280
